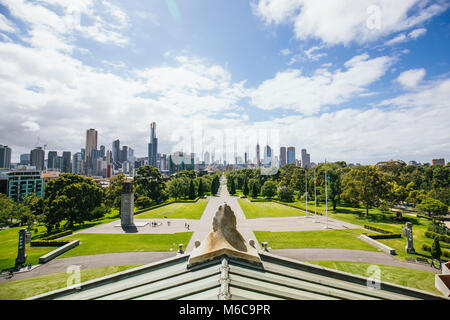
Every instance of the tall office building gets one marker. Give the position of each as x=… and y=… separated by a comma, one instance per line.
x=291, y=155
x=77, y=163
x=206, y=158
x=258, y=155
x=25, y=159
x=91, y=144
x=306, y=159
x=153, y=146
x=283, y=156
x=123, y=154
x=5, y=157
x=67, y=165
x=102, y=151
x=116, y=151
x=267, y=155
x=51, y=159
x=37, y=158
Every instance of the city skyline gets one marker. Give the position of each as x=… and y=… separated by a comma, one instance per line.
x=374, y=89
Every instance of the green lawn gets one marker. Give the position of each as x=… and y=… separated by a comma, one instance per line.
x=9, y=241
x=109, y=243
x=412, y=278
x=267, y=209
x=21, y=289
x=335, y=239
x=177, y=211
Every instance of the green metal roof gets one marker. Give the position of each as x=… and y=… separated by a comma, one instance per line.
x=225, y=277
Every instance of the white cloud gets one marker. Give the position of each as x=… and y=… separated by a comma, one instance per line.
x=30, y=126
x=291, y=89
x=310, y=53
x=410, y=78
x=55, y=24
x=6, y=25
x=285, y=52
x=416, y=33
x=342, y=22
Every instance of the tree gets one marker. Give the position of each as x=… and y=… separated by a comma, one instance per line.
x=364, y=184
x=255, y=190
x=246, y=190
x=436, y=249
x=176, y=187
x=215, y=185
x=201, y=191
x=149, y=183
x=269, y=189
x=113, y=194
x=143, y=202
x=71, y=197
x=191, y=190
x=6, y=210
x=433, y=207
x=232, y=187
x=286, y=194
x=253, y=185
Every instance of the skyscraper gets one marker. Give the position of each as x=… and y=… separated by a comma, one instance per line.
x=258, y=155
x=77, y=163
x=305, y=159
x=91, y=144
x=25, y=159
x=5, y=157
x=116, y=151
x=51, y=159
x=282, y=156
x=153, y=145
x=291, y=155
x=37, y=158
x=67, y=165
x=267, y=155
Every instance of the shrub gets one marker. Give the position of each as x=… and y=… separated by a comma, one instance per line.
x=49, y=243
x=143, y=202
x=57, y=235
x=442, y=237
x=445, y=253
x=286, y=194
x=377, y=229
x=384, y=236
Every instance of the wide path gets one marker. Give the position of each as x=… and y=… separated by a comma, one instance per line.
x=93, y=261
x=317, y=254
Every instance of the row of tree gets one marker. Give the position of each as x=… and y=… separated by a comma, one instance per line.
x=74, y=199
x=383, y=185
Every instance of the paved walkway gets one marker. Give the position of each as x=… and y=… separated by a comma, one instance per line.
x=93, y=261
x=316, y=254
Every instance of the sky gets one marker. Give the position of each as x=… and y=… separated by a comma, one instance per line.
x=355, y=80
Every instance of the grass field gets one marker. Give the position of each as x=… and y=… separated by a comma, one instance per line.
x=267, y=209
x=21, y=289
x=9, y=241
x=177, y=211
x=335, y=239
x=109, y=243
x=412, y=278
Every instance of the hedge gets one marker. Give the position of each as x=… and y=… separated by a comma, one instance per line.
x=445, y=253
x=384, y=236
x=57, y=235
x=377, y=229
x=165, y=204
x=48, y=243
x=424, y=217
x=293, y=206
x=442, y=237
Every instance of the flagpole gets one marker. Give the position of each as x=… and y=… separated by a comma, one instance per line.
x=315, y=204
x=306, y=186
x=326, y=199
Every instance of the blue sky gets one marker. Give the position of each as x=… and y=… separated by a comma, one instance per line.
x=359, y=81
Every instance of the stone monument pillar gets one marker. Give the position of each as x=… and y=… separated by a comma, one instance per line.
x=127, y=205
x=21, y=255
x=407, y=232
